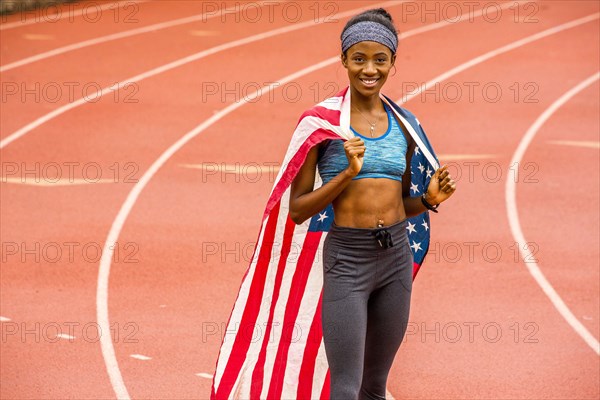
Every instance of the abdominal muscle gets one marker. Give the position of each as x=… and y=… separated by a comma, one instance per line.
x=365, y=202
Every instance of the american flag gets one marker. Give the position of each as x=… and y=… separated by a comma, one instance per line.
x=273, y=347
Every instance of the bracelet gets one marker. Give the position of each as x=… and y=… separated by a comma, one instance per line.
x=429, y=206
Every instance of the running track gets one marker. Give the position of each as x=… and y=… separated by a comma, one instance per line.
x=485, y=322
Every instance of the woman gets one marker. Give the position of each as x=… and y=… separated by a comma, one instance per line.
x=367, y=259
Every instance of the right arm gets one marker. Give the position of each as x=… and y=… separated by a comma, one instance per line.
x=306, y=202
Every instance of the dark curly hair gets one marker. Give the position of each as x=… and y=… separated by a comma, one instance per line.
x=375, y=15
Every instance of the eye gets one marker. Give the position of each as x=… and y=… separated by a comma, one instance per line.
x=358, y=59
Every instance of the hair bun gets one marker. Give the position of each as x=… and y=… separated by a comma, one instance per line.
x=382, y=12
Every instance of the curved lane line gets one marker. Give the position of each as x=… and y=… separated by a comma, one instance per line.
x=174, y=64
x=515, y=225
x=106, y=343
x=114, y=36
x=63, y=14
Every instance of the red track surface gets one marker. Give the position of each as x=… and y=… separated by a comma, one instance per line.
x=178, y=289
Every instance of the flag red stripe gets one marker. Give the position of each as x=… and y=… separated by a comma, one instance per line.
x=313, y=342
x=416, y=268
x=250, y=314
x=303, y=267
x=329, y=115
x=258, y=373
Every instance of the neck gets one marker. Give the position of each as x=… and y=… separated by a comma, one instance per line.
x=365, y=103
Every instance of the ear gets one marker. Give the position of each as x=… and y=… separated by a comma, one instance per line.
x=344, y=60
x=393, y=59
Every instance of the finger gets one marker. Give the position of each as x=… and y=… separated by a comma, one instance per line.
x=439, y=171
x=451, y=187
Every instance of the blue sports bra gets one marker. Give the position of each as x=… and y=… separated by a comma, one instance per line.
x=385, y=156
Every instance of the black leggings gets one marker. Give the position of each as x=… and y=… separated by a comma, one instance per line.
x=366, y=302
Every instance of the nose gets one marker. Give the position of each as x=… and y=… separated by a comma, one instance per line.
x=369, y=68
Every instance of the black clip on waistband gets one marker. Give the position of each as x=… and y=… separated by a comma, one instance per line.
x=384, y=237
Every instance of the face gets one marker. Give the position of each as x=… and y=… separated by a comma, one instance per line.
x=368, y=64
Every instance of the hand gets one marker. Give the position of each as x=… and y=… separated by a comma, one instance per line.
x=355, y=152
x=441, y=186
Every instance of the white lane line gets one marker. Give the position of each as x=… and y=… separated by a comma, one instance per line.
x=500, y=50
x=4, y=319
x=65, y=336
x=36, y=181
x=140, y=357
x=178, y=63
x=592, y=144
x=194, y=57
x=515, y=225
x=106, y=343
x=33, y=36
x=120, y=35
x=41, y=14
x=487, y=56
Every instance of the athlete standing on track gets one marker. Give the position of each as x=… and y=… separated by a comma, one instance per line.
x=367, y=280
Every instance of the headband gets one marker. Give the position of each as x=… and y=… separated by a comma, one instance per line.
x=371, y=31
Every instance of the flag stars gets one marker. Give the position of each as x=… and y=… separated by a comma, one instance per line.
x=421, y=167
x=413, y=186
x=322, y=217
x=425, y=225
x=416, y=150
x=411, y=228
x=416, y=246
x=429, y=172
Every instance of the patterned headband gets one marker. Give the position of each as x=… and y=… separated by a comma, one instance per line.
x=371, y=31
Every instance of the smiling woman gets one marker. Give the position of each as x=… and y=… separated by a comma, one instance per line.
x=367, y=258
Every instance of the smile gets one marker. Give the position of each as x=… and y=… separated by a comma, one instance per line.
x=370, y=82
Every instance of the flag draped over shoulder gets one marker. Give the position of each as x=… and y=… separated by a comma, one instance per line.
x=272, y=347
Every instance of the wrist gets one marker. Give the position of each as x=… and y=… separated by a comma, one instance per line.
x=429, y=199
x=428, y=205
x=349, y=174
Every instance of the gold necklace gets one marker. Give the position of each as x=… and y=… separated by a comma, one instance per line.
x=370, y=123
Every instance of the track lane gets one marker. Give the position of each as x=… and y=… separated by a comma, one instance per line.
x=567, y=252
x=171, y=193
x=97, y=21
x=36, y=91
x=212, y=207
x=489, y=291
x=97, y=146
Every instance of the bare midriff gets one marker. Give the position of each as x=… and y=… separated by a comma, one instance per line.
x=367, y=202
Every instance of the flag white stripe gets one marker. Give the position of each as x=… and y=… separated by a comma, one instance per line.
x=332, y=103
x=238, y=310
x=263, y=315
x=415, y=136
x=309, y=303
x=265, y=307
x=279, y=312
x=306, y=127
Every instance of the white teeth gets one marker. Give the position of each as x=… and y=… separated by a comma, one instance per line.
x=370, y=81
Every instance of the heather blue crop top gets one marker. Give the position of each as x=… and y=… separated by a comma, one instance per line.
x=385, y=156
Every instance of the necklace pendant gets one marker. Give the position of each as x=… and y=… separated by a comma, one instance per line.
x=372, y=129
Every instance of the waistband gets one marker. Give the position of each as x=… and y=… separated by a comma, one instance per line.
x=364, y=238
